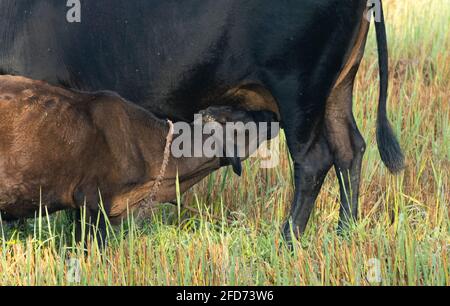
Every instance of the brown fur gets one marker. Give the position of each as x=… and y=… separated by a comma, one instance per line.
x=63, y=148
x=252, y=97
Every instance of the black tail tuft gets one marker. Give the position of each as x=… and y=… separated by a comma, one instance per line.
x=390, y=151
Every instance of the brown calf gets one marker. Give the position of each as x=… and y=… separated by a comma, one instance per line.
x=64, y=149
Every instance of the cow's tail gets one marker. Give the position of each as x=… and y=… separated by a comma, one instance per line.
x=388, y=145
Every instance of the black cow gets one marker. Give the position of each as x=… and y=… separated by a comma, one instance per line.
x=296, y=57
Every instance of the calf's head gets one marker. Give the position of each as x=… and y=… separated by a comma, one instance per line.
x=220, y=136
x=239, y=133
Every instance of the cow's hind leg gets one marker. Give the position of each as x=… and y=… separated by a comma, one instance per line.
x=348, y=147
x=311, y=166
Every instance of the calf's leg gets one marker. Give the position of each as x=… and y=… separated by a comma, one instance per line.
x=90, y=224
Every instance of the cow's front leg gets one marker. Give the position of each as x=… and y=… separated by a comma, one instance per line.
x=311, y=168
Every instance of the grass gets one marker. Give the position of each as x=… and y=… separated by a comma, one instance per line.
x=402, y=237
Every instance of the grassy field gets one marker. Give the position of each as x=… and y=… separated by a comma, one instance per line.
x=402, y=238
